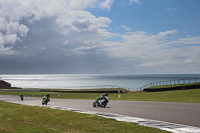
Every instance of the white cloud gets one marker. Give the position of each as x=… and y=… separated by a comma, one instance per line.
x=106, y=4
x=153, y=52
x=154, y=64
x=68, y=14
x=126, y=28
x=25, y=47
x=43, y=48
x=81, y=50
x=188, y=40
x=86, y=32
x=134, y=1
x=171, y=9
x=168, y=32
x=8, y=38
x=15, y=27
x=6, y=51
x=66, y=42
x=188, y=61
x=83, y=4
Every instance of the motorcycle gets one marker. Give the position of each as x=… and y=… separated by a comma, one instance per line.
x=45, y=100
x=100, y=102
x=22, y=97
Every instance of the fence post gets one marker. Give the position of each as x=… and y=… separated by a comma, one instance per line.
x=119, y=96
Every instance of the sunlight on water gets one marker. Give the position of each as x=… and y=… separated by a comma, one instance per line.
x=78, y=81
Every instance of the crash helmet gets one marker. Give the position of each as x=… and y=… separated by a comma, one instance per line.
x=106, y=94
x=48, y=95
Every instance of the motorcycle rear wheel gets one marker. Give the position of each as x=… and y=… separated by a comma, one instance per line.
x=104, y=104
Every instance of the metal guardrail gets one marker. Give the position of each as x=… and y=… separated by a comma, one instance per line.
x=76, y=87
x=98, y=87
x=19, y=90
x=93, y=87
x=171, y=82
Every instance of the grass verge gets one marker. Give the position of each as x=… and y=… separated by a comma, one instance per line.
x=174, y=86
x=16, y=118
x=184, y=96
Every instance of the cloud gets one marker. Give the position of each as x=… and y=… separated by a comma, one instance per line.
x=69, y=17
x=10, y=33
x=134, y=1
x=155, y=52
x=126, y=28
x=64, y=34
x=106, y=4
x=6, y=50
x=188, y=61
x=189, y=40
x=66, y=42
x=98, y=4
x=171, y=9
x=167, y=32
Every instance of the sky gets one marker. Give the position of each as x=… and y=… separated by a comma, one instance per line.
x=99, y=37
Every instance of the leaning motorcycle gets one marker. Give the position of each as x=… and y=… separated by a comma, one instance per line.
x=45, y=100
x=100, y=102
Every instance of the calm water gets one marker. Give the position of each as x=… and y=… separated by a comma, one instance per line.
x=70, y=81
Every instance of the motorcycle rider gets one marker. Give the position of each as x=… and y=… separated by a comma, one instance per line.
x=22, y=97
x=47, y=95
x=46, y=99
x=104, y=97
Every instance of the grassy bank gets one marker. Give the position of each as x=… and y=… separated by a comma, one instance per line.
x=16, y=118
x=185, y=96
x=173, y=87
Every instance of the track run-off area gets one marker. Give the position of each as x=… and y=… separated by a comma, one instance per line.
x=174, y=117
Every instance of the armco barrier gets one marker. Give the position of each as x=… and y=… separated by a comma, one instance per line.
x=89, y=91
x=172, y=88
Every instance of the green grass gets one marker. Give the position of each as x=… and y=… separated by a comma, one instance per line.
x=185, y=96
x=16, y=118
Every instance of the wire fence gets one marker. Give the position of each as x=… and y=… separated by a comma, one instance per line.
x=171, y=82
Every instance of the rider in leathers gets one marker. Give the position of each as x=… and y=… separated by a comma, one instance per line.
x=104, y=97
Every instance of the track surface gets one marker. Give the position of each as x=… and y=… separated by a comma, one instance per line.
x=180, y=113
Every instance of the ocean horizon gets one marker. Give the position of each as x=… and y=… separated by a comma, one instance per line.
x=131, y=82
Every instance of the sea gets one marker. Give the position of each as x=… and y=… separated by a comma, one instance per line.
x=131, y=82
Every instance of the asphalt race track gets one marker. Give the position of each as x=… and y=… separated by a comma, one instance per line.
x=180, y=113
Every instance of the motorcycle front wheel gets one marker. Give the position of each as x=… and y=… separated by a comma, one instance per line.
x=95, y=104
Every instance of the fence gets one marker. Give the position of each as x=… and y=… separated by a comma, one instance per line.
x=171, y=82
x=76, y=87
x=97, y=87
x=19, y=90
